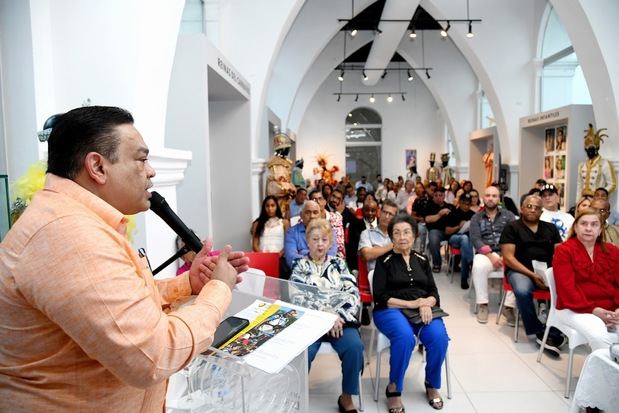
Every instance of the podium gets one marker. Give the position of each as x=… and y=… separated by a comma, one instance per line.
x=221, y=382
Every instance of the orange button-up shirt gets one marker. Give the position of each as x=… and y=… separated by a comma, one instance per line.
x=81, y=321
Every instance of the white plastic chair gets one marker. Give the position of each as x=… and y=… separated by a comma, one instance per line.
x=575, y=338
x=326, y=348
x=382, y=344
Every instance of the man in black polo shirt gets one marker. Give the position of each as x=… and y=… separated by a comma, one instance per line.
x=458, y=231
x=437, y=216
x=523, y=241
x=418, y=212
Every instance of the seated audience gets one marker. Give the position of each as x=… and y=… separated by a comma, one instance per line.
x=392, y=193
x=361, y=194
x=350, y=198
x=537, y=186
x=383, y=189
x=465, y=188
x=485, y=231
x=336, y=204
x=551, y=213
x=363, y=182
x=586, y=271
x=614, y=215
x=582, y=204
x=267, y=231
x=419, y=212
x=476, y=205
x=327, y=190
x=450, y=194
x=457, y=229
x=611, y=232
x=375, y=242
x=357, y=226
x=523, y=241
x=295, y=243
x=403, y=196
x=320, y=269
x=296, y=203
x=420, y=190
x=334, y=218
x=438, y=215
x=403, y=280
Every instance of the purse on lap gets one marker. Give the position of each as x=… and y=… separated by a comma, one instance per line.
x=415, y=318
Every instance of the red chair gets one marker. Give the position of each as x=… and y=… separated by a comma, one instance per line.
x=265, y=261
x=451, y=262
x=363, y=283
x=537, y=295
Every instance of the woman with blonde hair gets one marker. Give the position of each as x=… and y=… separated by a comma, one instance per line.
x=331, y=272
x=586, y=270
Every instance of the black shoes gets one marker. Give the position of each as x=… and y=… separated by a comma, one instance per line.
x=554, y=342
x=464, y=284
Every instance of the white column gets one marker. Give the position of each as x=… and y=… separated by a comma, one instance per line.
x=258, y=167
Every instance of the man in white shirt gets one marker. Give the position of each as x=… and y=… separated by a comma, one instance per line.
x=402, y=198
x=551, y=213
x=375, y=241
x=364, y=183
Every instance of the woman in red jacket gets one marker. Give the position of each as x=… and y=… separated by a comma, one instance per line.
x=586, y=270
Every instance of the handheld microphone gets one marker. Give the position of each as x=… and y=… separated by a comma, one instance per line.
x=160, y=207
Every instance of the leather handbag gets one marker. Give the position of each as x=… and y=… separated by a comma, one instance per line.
x=415, y=318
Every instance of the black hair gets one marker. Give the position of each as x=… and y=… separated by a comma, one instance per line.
x=263, y=218
x=402, y=217
x=314, y=191
x=361, y=189
x=433, y=185
x=81, y=131
x=601, y=189
x=439, y=189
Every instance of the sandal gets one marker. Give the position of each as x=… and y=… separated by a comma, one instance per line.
x=340, y=407
x=437, y=402
x=390, y=394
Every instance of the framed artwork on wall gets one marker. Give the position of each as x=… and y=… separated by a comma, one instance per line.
x=550, y=140
x=561, y=139
x=410, y=158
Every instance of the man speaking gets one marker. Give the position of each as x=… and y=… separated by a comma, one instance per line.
x=82, y=320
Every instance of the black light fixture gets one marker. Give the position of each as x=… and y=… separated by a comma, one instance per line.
x=353, y=32
x=470, y=33
x=389, y=99
x=403, y=98
x=410, y=75
x=377, y=30
x=372, y=98
x=428, y=74
x=341, y=76
x=384, y=75
x=446, y=29
x=412, y=34
x=339, y=97
x=365, y=76
x=357, y=98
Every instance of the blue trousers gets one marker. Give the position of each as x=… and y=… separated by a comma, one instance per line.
x=463, y=243
x=523, y=290
x=401, y=334
x=436, y=236
x=349, y=349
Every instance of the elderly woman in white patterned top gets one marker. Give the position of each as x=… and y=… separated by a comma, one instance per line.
x=324, y=271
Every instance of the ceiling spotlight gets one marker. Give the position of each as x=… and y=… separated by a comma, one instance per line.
x=446, y=29
x=403, y=98
x=412, y=34
x=339, y=97
x=353, y=32
x=410, y=75
x=389, y=99
x=341, y=76
x=384, y=75
x=470, y=33
x=428, y=74
x=378, y=30
x=354, y=123
x=349, y=114
x=372, y=98
x=365, y=76
x=356, y=98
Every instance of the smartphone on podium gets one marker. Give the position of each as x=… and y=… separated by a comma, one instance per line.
x=228, y=329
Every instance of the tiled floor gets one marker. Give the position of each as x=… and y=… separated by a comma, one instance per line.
x=489, y=372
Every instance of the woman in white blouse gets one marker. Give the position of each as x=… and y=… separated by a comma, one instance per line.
x=268, y=230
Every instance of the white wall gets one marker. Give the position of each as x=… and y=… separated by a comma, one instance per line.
x=414, y=124
x=17, y=87
x=187, y=128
